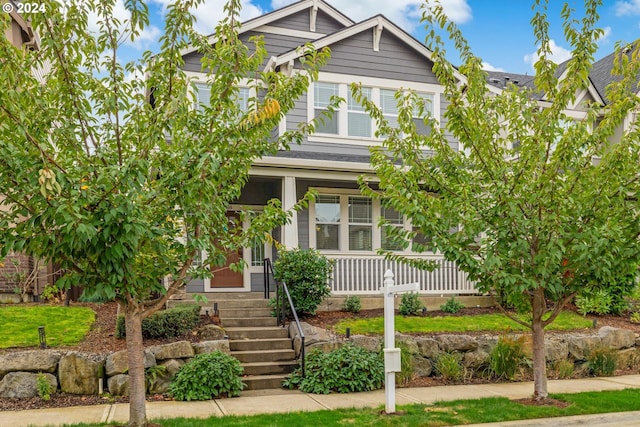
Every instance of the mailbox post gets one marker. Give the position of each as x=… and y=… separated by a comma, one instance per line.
x=391, y=353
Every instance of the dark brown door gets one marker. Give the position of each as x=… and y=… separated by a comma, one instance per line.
x=223, y=276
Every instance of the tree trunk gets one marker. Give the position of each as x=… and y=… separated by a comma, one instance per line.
x=539, y=361
x=135, y=353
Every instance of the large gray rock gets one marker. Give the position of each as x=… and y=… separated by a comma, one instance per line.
x=486, y=343
x=211, y=333
x=627, y=358
x=422, y=367
x=313, y=337
x=175, y=350
x=581, y=346
x=211, y=346
x=23, y=385
x=118, y=385
x=428, y=347
x=368, y=343
x=450, y=343
x=616, y=338
x=161, y=383
x=555, y=350
x=118, y=363
x=78, y=374
x=29, y=361
x=408, y=343
x=325, y=347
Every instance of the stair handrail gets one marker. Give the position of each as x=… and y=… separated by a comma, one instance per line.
x=281, y=291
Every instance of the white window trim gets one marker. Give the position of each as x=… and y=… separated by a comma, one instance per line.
x=344, y=82
x=344, y=224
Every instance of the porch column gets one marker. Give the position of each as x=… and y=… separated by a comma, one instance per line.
x=290, y=231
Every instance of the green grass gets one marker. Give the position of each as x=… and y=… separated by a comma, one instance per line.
x=482, y=322
x=459, y=412
x=63, y=325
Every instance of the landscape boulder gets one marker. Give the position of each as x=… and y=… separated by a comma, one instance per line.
x=118, y=385
x=79, y=374
x=118, y=362
x=29, y=361
x=581, y=346
x=211, y=346
x=616, y=338
x=160, y=384
x=174, y=350
x=461, y=343
x=211, y=333
x=23, y=385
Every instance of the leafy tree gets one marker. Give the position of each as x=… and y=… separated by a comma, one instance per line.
x=533, y=222
x=119, y=178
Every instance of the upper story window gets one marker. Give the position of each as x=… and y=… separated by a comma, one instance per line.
x=351, y=122
x=323, y=92
x=203, y=97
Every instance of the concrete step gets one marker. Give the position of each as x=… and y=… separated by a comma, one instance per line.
x=260, y=344
x=264, y=355
x=261, y=382
x=248, y=322
x=239, y=333
x=242, y=303
x=268, y=368
x=244, y=312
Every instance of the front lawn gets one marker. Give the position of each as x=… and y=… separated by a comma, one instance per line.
x=496, y=322
x=63, y=325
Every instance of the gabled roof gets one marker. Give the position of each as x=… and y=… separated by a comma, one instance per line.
x=284, y=12
x=378, y=22
x=601, y=74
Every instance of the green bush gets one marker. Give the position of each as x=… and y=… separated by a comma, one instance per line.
x=406, y=373
x=506, y=357
x=207, y=376
x=166, y=323
x=607, y=299
x=448, y=366
x=410, y=304
x=345, y=370
x=306, y=273
x=564, y=368
x=45, y=390
x=598, y=302
x=452, y=306
x=352, y=304
x=602, y=361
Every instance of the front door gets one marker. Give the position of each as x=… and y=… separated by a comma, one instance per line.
x=223, y=276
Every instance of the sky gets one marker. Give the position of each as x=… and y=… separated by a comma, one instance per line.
x=498, y=31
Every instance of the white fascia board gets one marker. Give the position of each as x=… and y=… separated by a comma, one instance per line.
x=268, y=29
x=328, y=165
x=280, y=14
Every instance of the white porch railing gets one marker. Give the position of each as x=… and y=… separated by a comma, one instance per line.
x=364, y=274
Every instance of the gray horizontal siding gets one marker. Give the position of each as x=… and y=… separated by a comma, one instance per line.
x=444, y=104
x=301, y=21
x=195, y=285
x=394, y=60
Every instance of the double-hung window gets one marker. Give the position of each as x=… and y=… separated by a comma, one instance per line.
x=359, y=121
x=322, y=94
x=360, y=223
x=203, y=97
x=389, y=107
x=393, y=218
x=327, y=219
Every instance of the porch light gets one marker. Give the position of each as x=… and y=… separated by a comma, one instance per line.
x=348, y=332
x=215, y=309
x=424, y=311
x=42, y=336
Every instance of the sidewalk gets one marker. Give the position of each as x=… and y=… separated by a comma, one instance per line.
x=278, y=401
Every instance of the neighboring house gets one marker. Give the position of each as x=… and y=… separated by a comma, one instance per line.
x=17, y=268
x=342, y=223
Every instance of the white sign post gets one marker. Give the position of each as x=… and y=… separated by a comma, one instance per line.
x=391, y=354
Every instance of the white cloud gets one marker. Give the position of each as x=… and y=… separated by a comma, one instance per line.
x=604, y=39
x=488, y=67
x=630, y=7
x=404, y=13
x=558, y=54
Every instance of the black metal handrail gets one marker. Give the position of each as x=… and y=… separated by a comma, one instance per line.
x=282, y=291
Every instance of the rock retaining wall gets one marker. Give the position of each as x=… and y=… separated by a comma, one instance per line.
x=474, y=350
x=86, y=373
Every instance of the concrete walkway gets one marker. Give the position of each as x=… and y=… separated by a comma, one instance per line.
x=278, y=401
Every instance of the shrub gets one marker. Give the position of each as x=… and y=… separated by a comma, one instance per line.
x=452, y=306
x=345, y=370
x=410, y=304
x=602, y=361
x=352, y=304
x=607, y=299
x=507, y=356
x=598, y=302
x=207, y=376
x=306, y=273
x=564, y=368
x=634, y=317
x=45, y=390
x=165, y=324
x=448, y=366
x=406, y=364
